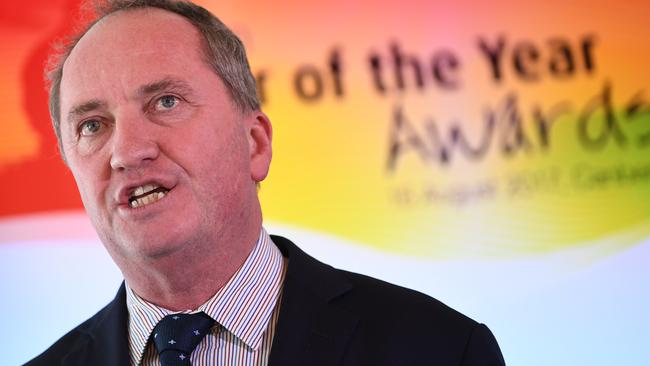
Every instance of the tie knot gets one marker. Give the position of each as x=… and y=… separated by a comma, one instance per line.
x=176, y=336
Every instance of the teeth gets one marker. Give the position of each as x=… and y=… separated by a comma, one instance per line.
x=144, y=189
x=151, y=198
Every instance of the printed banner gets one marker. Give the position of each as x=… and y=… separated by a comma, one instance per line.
x=495, y=155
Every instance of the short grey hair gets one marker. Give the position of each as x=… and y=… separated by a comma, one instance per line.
x=222, y=49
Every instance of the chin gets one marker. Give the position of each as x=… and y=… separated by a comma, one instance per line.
x=175, y=239
x=145, y=246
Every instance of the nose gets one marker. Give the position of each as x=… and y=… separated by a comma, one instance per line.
x=133, y=144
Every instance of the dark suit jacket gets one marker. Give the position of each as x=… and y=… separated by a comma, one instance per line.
x=327, y=317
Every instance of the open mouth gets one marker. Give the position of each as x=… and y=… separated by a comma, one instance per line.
x=147, y=194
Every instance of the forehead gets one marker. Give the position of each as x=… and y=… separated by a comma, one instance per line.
x=128, y=49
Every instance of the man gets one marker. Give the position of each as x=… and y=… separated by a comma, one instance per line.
x=157, y=117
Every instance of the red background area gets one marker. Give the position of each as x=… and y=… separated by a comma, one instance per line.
x=44, y=176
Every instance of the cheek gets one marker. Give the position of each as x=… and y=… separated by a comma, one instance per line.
x=86, y=189
x=90, y=179
x=218, y=154
x=90, y=146
x=220, y=176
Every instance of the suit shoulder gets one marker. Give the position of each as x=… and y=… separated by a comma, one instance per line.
x=374, y=301
x=75, y=339
x=400, y=305
x=55, y=354
x=402, y=319
x=386, y=324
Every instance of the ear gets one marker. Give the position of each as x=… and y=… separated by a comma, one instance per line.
x=260, y=133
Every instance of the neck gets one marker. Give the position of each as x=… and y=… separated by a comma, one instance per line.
x=203, y=270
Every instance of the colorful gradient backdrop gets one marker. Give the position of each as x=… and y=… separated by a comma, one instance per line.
x=555, y=190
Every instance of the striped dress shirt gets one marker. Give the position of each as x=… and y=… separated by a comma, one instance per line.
x=246, y=310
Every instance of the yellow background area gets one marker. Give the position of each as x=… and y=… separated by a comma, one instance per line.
x=329, y=169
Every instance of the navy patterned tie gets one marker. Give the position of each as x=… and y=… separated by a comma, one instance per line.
x=176, y=336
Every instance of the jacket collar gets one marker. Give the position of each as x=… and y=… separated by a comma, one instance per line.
x=311, y=329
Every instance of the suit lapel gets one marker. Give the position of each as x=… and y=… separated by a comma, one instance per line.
x=107, y=337
x=311, y=329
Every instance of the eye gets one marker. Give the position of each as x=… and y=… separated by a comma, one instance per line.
x=90, y=127
x=166, y=102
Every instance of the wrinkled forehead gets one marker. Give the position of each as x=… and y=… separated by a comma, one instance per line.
x=138, y=30
x=126, y=46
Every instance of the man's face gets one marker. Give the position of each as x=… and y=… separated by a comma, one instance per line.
x=162, y=157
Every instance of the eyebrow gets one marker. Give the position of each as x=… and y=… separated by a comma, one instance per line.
x=85, y=107
x=163, y=84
